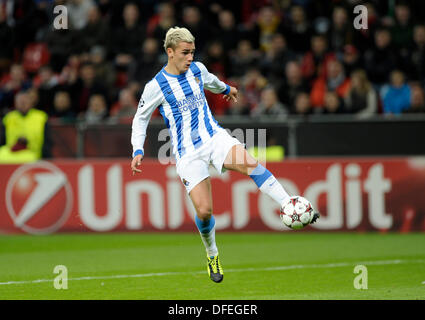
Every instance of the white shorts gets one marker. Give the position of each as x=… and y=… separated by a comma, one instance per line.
x=193, y=168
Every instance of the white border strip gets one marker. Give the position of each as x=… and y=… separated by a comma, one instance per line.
x=289, y=267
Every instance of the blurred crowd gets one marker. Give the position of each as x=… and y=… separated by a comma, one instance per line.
x=285, y=57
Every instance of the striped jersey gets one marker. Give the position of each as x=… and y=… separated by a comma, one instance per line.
x=182, y=103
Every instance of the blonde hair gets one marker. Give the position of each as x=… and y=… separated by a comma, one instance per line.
x=176, y=35
x=365, y=84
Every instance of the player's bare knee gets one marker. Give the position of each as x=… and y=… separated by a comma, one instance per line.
x=204, y=213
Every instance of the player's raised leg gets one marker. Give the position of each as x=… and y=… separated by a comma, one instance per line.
x=201, y=197
x=238, y=159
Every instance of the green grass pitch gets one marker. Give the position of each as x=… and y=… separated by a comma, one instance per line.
x=263, y=266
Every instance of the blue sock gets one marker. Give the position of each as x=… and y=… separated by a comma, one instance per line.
x=207, y=231
x=268, y=184
x=205, y=226
x=259, y=175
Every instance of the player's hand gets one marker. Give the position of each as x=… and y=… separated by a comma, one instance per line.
x=233, y=94
x=137, y=161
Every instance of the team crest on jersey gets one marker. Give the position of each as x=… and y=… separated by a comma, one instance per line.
x=197, y=80
x=185, y=182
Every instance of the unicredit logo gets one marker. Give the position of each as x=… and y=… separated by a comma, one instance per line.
x=33, y=192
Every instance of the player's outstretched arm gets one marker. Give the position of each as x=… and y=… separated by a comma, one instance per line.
x=233, y=94
x=136, y=162
x=151, y=98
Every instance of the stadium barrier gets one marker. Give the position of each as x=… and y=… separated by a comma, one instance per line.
x=338, y=135
x=352, y=194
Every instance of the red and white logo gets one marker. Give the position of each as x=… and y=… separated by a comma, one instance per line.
x=33, y=192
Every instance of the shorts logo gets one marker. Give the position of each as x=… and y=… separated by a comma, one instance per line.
x=185, y=182
x=141, y=103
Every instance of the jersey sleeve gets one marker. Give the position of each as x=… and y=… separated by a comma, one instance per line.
x=211, y=82
x=151, y=98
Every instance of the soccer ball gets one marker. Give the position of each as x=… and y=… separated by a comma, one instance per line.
x=296, y=212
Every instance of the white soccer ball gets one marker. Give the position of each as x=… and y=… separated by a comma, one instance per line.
x=296, y=212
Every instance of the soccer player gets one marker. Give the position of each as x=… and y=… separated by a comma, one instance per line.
x=197, y=139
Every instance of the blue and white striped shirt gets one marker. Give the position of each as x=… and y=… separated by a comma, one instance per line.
x=182, y=103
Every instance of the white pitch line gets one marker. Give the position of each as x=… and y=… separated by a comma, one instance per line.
x=290, y=267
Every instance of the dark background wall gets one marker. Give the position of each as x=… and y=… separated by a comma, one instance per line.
x=333, y=136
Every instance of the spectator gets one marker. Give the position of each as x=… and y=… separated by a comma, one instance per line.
x=137, y=90
x=268, y=23
x=396, y=96
x=363, y=39
x=104, y=70
x=95, y=32
x=86, y=86
x=147, y=63
x=27, y=135
x=125, y=108
x=351, y=59
x=298, y=31
x=165, y=20
x=227, y=41
x=216, y=59
x=246, y=57
x=62, y=107
x=252, y=83
x=418, y=100
x=192, y=20
x=21, y=15
x=269, y=104
x=46, y=81
x=97, y=110
x=274, y=61
x=250, y=8
x=302, y=104
x=227, y=31
x=293, y=84
x=12, y=83
x=62, y=44
x=70, y=72
x=127, y=40
x=341, y=30
x=361, y=97
x=78, y=12
x=402, y=30
x=417, y=55
x=34, y=98
x=335, y=81
x=7, y=42
x=382, y=59
x=333, y=104
x=314, y=62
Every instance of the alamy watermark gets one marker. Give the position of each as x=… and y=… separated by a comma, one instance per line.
x=245, y=136
x=61, y=280
x=61, y=20
x=360, y=282
x=360, y=21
